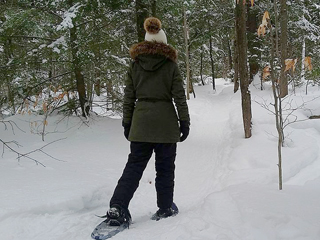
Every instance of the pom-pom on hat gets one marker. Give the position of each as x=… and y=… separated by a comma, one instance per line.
x=153, y=29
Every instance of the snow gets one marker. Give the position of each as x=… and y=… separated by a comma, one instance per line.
x=119, y=60
x=56, y=50
x=68, y=16
x=226, y=186
x=59, y=41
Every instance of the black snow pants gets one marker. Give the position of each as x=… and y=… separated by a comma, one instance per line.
x=141, y=152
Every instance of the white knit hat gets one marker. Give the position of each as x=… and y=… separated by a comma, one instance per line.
x=154, y=32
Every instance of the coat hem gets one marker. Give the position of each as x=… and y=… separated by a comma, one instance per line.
x=154, y=140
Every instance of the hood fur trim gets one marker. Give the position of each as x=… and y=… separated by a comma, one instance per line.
x=153, y=48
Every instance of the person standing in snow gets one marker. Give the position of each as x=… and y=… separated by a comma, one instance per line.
x=155, y=118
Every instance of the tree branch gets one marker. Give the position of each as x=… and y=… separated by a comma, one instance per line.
x=12, y=124
x=26, y=155
x=27, y=37
x=44, y=9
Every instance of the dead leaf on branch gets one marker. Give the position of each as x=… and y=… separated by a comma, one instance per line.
x=266, y=72
x=36, y=102
x=290, y=64
x=307, y=63
x=263, y=26
x=261, y=30
x=265, y=18
x=44, y=106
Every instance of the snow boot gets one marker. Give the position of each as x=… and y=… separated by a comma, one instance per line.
x=164, y=213
x=118, y=216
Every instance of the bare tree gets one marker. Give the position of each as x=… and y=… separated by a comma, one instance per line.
x=276, y=89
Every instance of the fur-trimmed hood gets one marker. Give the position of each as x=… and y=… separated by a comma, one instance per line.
x=153, y=48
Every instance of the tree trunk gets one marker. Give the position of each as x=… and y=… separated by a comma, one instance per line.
x=212, y=64
x=253, y=45
x=201, y=66
x=243, y=71
x=303, y=54
x=97, y=62
x=141, y=15
x=7, y=72
x=77, y=69
x=154, y=8
x=277, y=107
x=191, y=89
x=236, y=60
x=283, y=46
x=229, y=55
x=186, y=36
x=275, y=7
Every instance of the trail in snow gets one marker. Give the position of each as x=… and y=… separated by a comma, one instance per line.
x=209, y=143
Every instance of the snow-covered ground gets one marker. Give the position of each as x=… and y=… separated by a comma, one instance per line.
x=226, y=186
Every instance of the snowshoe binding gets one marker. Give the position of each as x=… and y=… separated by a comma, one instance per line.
x=164, y=213
x=118, y=216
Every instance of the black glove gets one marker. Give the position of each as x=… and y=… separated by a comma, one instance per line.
x=184, y=129
x=126, y=127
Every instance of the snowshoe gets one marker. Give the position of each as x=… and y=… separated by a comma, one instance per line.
x=164, y=213
x=117, y=220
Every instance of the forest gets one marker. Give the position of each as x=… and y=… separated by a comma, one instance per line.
x=251, y=71
x=69, y=57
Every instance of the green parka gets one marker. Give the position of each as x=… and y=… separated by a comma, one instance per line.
x=153, y=84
